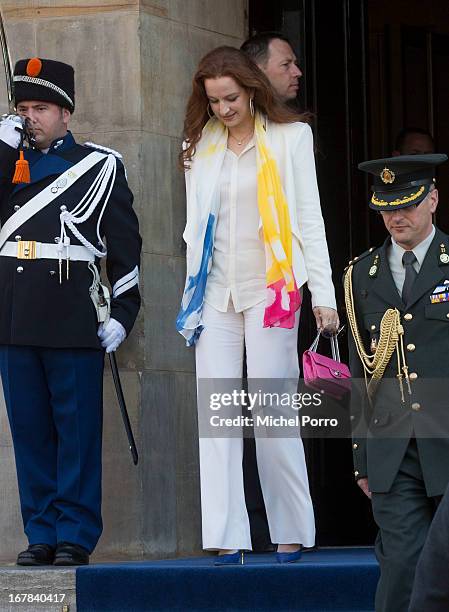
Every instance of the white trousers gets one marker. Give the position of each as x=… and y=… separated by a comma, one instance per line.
x=270, y=353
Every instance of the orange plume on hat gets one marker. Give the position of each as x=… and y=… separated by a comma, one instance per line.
x=34, y=67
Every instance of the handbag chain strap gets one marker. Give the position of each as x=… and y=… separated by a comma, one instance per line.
x=334, y=346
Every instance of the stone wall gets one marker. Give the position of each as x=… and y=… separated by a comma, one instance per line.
x=134, y=61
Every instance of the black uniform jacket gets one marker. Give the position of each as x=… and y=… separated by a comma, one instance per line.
x=35, y=309
x=379, y=447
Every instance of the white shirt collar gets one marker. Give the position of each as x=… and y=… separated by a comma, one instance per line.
x=419, y=250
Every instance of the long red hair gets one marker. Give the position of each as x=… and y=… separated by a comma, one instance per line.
x=230, y=62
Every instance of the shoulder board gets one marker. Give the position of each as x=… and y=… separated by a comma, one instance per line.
x=359, y=258
x=97, y=147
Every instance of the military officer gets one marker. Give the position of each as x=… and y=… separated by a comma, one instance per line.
x=63, y=207
x=397, y=299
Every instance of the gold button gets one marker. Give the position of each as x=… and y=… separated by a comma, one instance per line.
x=408, y=317
x=447, y=315
x=371, y=249
x=356, y=473
x=355, y=446
x=375, y=421
x=355, y=258
x=411, y=347
x=416, y=406
x=413, y=376
x=373, y=327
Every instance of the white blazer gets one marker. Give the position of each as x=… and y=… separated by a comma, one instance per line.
x=292, y=147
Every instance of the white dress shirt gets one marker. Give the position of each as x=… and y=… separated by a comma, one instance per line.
x=395, y=253
x=238, y=261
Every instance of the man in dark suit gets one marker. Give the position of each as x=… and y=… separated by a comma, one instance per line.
x=60, y=203
x=274, y=55
x=397, y=299
x=431, y=587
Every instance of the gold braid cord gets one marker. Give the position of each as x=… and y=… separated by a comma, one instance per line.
x=390, y=339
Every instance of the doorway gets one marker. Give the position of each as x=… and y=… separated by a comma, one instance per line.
x=353, y=55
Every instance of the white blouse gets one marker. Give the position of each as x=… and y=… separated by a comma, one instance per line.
x=238, y=261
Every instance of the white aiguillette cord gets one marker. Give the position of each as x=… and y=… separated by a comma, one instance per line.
x=50, y=193
x=84, y=209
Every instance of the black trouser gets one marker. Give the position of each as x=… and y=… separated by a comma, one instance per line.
x=403, y=516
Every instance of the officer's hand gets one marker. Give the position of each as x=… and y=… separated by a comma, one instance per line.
x=326, y=319
x=10, y=128
x=111, y=335
x=363, y=484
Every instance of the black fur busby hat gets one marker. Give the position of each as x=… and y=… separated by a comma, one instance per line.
x=46, y=80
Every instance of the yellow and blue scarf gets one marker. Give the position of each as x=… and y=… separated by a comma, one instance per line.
x=283, y=297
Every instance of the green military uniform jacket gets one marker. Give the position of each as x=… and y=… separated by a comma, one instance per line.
x=390, y=423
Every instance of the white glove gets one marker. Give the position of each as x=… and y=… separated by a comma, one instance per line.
x=111, y=335
x=10, y=128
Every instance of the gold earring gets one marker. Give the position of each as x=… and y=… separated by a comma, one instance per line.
x=209, y=112
x=251, y=107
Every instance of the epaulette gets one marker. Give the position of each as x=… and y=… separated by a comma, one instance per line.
x=360, y=257
x=97, y=147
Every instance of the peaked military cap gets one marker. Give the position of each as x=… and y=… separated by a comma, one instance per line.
x=46, y=80
x=401, y=181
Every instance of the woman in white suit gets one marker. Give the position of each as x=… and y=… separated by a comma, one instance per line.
x=254, y=235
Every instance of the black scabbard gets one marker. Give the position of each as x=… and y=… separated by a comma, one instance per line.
x=123, y=410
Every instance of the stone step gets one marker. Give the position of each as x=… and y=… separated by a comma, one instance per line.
x=45, y=589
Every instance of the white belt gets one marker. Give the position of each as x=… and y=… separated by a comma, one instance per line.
x=29, y=249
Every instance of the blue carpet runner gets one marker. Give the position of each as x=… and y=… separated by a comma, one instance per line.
x=330, y=579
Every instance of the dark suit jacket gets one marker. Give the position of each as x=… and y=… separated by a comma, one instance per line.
x=379, y=448
x=431, y=587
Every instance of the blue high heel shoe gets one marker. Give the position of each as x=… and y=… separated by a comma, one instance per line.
x=289, y=557
x=236, y=558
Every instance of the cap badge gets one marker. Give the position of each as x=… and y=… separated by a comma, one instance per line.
x=387, y=175
x=34, y=67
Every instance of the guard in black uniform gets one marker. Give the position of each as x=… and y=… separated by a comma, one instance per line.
x=397, y=299
x=63, y=206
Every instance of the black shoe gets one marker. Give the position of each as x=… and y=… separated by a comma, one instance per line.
x=70, y=554
x=37, y=554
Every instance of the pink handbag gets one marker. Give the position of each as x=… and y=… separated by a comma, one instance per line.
x=324, y=374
